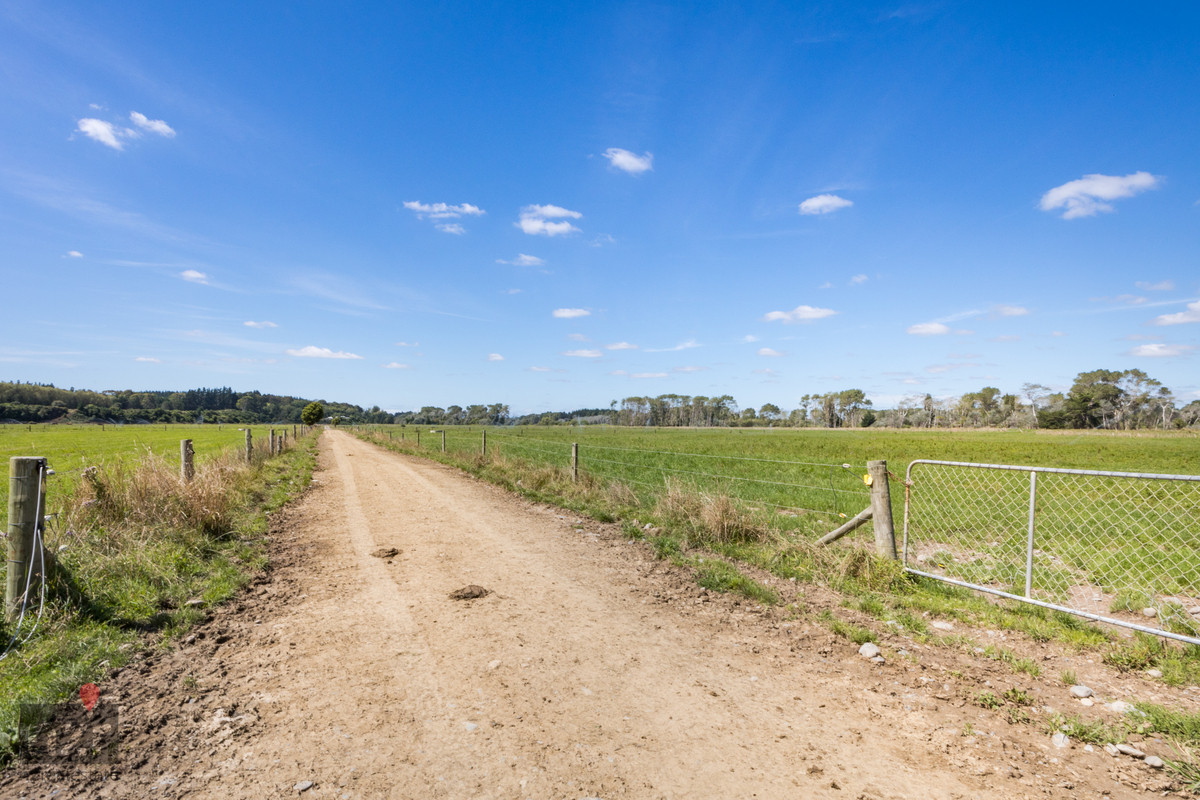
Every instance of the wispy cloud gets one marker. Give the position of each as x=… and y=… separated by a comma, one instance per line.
x=264, y=324
x=1161, y=286
x=938, y=369
x=749, y=338
x=152, y=125
x=769, y=352
x=1010, y=311
x=1191, y=315
x=148, y=360
x=103, y=132
x=320, y=352
x=495, y=357
x=408, y=344
x=1159, y=350
x=688, y=345
x=629, y=162
x=620, y=346
x=194, y=276
x=645, y=375
x=570, y=313
x=536, y=220
x=445, y=211
x=396, y=365
x=1091, y=194
x=578, y=337
x=523, y=260
x=583, y=353
x=800, y=313
x=688, y=369
x=928, y=329
x=1011, y=337
x=824, y=204
x=858, y=279
x=74, y=254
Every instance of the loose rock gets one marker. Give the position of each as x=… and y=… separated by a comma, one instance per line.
x=869, y=650
x=1112, y=750
x=303, y=786
x=1149, y=612
x=1119, y=706
x=1130, y=750
x=1081, y=691
x=1154, y=761
x=1154, y=673
x=386, y=552
x=469, y=593
x=1060, y=740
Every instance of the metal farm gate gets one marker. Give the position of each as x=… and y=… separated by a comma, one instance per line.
x=1117, y=547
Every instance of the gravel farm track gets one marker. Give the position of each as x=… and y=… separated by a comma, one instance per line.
x=590, y=670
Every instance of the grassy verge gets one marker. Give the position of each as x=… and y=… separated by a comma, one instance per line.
x=137, y=557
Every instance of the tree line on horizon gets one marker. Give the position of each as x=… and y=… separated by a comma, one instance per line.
x=1109, y=399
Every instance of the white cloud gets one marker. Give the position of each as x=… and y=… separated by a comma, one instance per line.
x=408, y=344
x=443, y=210
x=396, y=365
x=451, y=227
x=1010, y=311
x=194, y=276
x=1006, y=338
x=767, y=351
x=1191, y=315
x=571, y=313
x=512, y=291
x=103, y=132
x=1159, y=350
x=523, y=260
x=578, y=337
x=858, y=279
x=620, y=346
x=688, y=345
x=800, y=314
x=74, y=254
x=629, y=162
x=748, y=338
x=495, y=357
x=937, y=369
x=688, y=369
x=1058, y=333
x=641, y=375
x=152, y=125
x=148, y=360
x=826, y=285
x=618, y=372
x=824, y=204
x=928, y=329
x=1161, y=286
x=766, y=371
x=583, y=353
x=320, y=352
x=540, y=369
x=260, y=324
x=1088, y=195
x=535, y=220
x=602, y=240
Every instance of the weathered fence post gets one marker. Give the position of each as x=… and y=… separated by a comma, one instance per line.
x=26, y=491
x=881, y=510
x=274, y=443
x=249, y=446
x=443, y=441
x=483, y=450
x=187, y=454
x=418, y=438
x=574, y=461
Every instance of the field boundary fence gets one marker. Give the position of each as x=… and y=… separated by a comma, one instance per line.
x=1115, y=547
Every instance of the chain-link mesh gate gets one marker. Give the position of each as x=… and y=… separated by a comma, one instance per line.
x=1116, y=547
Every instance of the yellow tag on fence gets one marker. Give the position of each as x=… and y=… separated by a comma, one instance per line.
x=868, y=480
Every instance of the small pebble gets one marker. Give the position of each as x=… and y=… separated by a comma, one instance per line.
x=1112, y=750
x=1154, y=761
x=1119, y=706
x=303, y=786
x=1081, y=691
x=869, y=650
x=493, y=664
x=1087, y=701
x=1130, y=750
x=471, y=727
x=1149, y=612
x=1060, y=740
x=1154, y=673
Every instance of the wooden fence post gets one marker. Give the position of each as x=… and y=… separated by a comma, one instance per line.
x=274, y=443
x=26, y=491
x=484, y=449
x=881, y=510
x=249, y=446
x=443, y=440
x=574, y=461
x=418, y=437
x=187, y=454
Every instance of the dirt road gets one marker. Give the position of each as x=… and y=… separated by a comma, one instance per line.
x=591, y=670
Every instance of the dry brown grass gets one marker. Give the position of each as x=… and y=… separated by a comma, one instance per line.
x=711, y=517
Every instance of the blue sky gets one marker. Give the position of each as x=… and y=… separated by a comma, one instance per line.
x=559, y=205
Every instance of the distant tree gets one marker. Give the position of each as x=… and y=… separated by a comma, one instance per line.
x=313, y=413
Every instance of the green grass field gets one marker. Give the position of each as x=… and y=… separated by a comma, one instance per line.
x=72, y=448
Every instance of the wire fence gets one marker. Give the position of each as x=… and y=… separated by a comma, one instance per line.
x=1117, y=547
x=781, y=487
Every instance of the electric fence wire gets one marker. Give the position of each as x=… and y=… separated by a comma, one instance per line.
x=39, y=547
x=721, y=477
